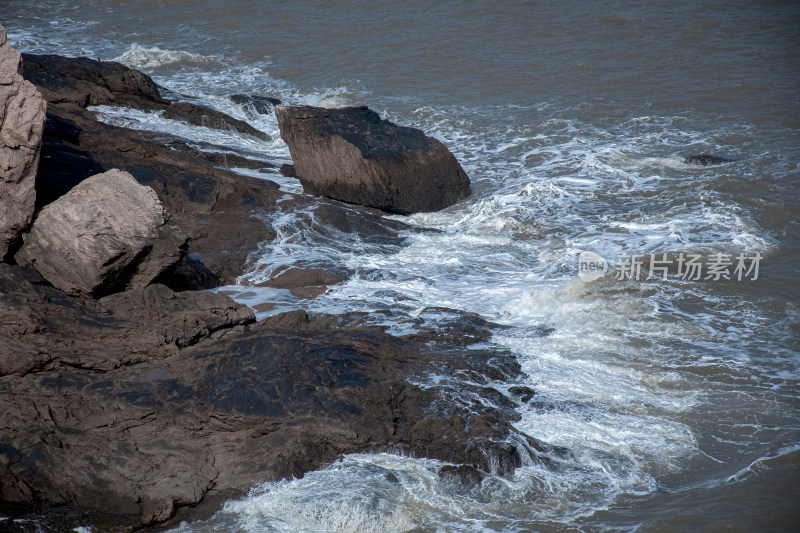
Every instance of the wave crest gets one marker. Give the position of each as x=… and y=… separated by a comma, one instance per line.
x=147, y=58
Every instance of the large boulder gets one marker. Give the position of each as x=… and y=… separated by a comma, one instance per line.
x=22, y=115
x=351, y=155
x=107, y=233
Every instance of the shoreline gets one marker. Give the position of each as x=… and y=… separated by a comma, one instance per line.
x=133, y=430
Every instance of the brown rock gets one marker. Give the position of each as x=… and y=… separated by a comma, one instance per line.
x=124, y=409
x=288, y=171
x=42, y=327
x=223, y=212
x=522, y=393
x=178, y=319
x=84, y=82
x=107, y=233
x=350, y=154
x=222, y=159
x=22, y=114
x=305, y=282
x=119, y=411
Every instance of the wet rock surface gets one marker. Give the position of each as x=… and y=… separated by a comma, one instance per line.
x=22, y=113
x=199, y=115
x=350, y=154
x=522, y=393
x=451, y=327
x=305, y=283
x=223, y=213
x=463, y=477
x=86, y=82
x=223, y=159
x=148, y=400
x=288, y=171
x=263, y=105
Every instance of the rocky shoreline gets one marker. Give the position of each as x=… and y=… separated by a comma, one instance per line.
x=131, y=395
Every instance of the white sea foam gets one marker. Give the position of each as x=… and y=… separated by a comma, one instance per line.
x=141, y=57
x=393, y=493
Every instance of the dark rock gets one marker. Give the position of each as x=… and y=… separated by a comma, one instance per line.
x=299, y=320
x=370, y=227
x=304, y=282
x=189, y=274
x=177, y=319
x=213, y=206
x=451, y=327
x=350, y=154
x=262, y=105
x=107, y=233
x=199, y=115
x=705, y=160
x=117, y=412
x=84, y=82
x=41, y=327
x=233, y=233
x=479, y=442
x=222, y=159
x=292, y=320
x=63, y=165
x=288, y=171
x=124, y=409
x=522, y=393
x=221, y=211
x=22, y=114
x=461, y=476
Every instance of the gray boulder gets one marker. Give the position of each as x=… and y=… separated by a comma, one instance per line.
x=351, y=155
x=108, y=233
x=22, y=115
